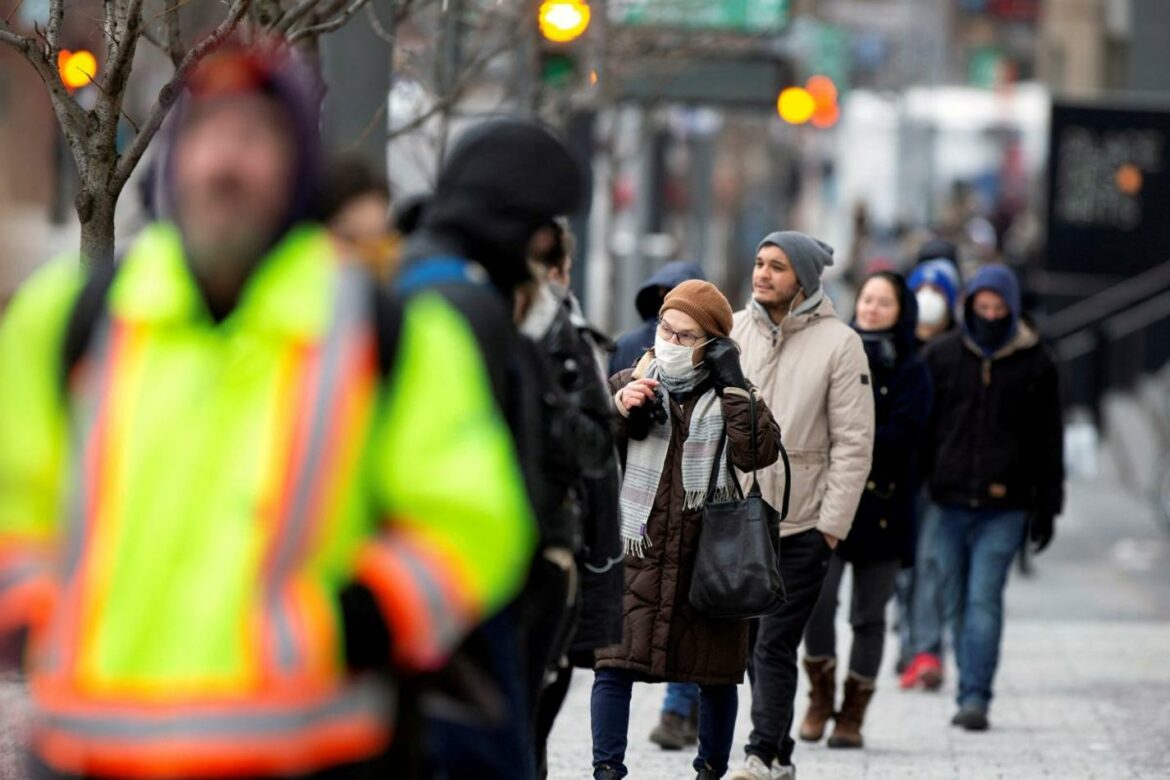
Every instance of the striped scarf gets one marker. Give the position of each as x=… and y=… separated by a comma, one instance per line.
x=645, y=460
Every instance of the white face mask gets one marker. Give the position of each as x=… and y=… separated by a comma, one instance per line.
x=675, y=360
x=932, y=307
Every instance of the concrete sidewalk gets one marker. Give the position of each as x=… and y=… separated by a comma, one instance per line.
x=1083, y=689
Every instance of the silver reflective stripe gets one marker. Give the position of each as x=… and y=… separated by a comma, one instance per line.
x=87, y=401
x=374, y=699
x=350, y=313
x=448, y=628
x=19, y=574
x=286, y=643
x=87, y=398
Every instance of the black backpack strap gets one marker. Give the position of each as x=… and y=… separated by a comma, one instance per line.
x=388, y=313
x=88, y=310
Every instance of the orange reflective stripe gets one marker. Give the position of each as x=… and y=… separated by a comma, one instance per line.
x=301, y=754
x=426, y=612
x=94, y=387
x=340, y=379
x=236, y=739
x=27, y=603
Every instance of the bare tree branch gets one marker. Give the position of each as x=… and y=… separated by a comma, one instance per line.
x=126, y=33
x=15, y=40
x=444, y=104
x=336, y=23
x=294, y=15
x=170, y=92
x=174, y=36
x=12, y=13
x=56, y=17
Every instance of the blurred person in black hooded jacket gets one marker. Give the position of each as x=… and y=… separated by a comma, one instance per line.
x=471, y=241
x=576, y=355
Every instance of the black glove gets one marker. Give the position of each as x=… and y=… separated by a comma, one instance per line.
x=367, y=637
x=1040, y=530
x=722, y=360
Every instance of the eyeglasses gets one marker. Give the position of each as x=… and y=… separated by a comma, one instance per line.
x=684, y=339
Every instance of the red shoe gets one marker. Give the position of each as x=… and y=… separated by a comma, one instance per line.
x=925, y=670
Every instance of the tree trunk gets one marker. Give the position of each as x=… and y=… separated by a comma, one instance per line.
x=96, y=212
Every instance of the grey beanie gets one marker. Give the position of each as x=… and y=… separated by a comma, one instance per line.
x=808, y=256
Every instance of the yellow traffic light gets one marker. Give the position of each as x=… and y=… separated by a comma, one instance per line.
x=796, y=105
x=562, y=21
x=77, y=68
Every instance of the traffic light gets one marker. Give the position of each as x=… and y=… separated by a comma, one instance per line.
x=816, y=102
x=562, y=24
x=796, y=105
x=77, y=68
x=564, y=21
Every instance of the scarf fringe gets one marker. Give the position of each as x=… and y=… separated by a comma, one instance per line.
x=637, y=547
x=697, y=499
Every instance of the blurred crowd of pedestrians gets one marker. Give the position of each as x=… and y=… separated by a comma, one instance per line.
x=301, y=490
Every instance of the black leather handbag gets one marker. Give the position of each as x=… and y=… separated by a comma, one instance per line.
x=737, y=568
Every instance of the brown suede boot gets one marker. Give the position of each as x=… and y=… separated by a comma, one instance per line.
x=823, y=681
x=847, y=731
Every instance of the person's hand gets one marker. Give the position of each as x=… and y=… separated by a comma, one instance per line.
x=1041, y=530
x=722, y=360
x=831, y=540
x=636, y=394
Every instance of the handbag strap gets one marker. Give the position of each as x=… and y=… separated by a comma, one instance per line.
x=755, y=489
x=711, y=485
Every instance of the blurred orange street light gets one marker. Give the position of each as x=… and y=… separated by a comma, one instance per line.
x=825, y=116
x=562, y=21
x=823, y=90
x=77, y=68
x=796, y=105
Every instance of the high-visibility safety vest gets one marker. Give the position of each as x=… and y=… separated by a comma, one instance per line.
x=178, y=517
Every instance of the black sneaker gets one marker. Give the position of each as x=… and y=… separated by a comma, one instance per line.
x=971, y=718
x=604, y=772
x=706, y=773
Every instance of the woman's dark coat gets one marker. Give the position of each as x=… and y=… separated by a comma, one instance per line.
x=884, y=527
x=662, y=637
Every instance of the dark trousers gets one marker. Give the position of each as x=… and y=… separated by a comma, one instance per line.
x=873, y=584
x=804, y=561
x=552, y=697
x=610, y=713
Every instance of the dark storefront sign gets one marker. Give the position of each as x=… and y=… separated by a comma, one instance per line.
x=1108, y=189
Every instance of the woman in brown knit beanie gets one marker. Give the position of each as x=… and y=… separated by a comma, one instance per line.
x=675, y=406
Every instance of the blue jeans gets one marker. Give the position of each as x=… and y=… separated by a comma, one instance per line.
x=681, y=699
x=925, y=627
x=976, y=549
x=610, y=714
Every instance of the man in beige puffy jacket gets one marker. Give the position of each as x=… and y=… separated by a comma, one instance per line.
x=814, y=375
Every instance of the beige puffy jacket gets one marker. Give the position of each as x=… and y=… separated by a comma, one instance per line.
x=814, y=375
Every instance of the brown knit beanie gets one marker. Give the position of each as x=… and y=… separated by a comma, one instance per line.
x=703, y=301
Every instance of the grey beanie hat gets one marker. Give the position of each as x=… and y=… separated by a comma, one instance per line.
x=808, y=256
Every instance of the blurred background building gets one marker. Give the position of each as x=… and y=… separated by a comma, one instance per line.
x=1031, y=131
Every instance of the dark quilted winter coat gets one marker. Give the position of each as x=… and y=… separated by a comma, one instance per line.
x=663, y=639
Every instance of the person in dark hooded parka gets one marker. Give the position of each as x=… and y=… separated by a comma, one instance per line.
x=630, y=346
x=881, y=540
x=470, y=241
x=994, y=460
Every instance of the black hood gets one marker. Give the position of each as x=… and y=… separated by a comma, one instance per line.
x=503, y=180
x=902, y=334
x=669, y=276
